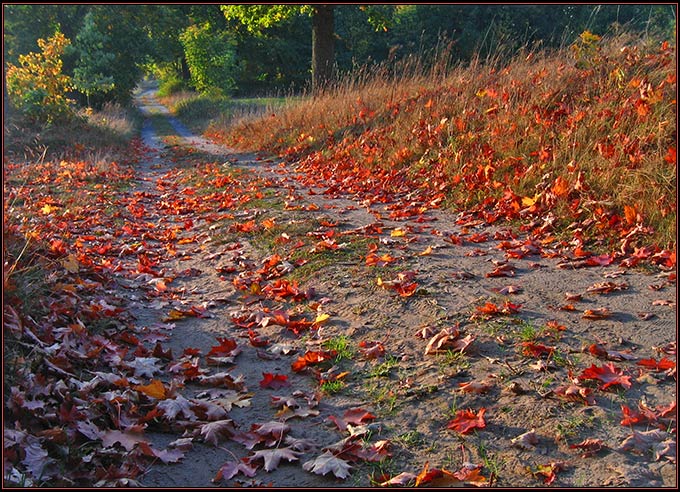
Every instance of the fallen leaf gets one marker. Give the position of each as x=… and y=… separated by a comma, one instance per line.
x=274, y=381
x=662, y=365
x=401, y=480
x=272, y=457
x=528, y=440
x=590, y=447
x=549, y=471
x=477, y=387
x=213, y=432
x=353, y=416
x=232, y=468
x=466, y=420
x=177, y=406
x=643, y=442
x=608, y=374
x=600, y=313
x=325, y=463
x=126, y=439
x=154, y=389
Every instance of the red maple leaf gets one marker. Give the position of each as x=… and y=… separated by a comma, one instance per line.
x=663, y=365
x=608, y=374
x=532, y=349
x=354, y=416
x=226, y=346
x=274, y=381
x=466, y=420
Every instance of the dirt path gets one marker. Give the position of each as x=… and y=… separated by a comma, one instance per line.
x=459, y=302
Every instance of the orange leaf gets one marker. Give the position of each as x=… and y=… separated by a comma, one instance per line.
x=561, y=187
x=154, y=389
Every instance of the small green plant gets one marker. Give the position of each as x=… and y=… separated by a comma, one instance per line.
x=383, y=397
x=332, y=387
x=342, y=345
x=573, y=425
x=490, y=462
x=453, y=362
x=409, y=439
x=383, y=369
x=452, y=408
x=527, y=332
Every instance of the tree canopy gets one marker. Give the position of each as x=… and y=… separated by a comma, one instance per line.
x=254, y=49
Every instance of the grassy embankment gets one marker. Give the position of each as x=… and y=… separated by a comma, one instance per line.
x=578, y=143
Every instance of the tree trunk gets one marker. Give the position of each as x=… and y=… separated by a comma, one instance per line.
x=323, y=46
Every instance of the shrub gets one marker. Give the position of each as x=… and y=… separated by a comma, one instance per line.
x=38, y=87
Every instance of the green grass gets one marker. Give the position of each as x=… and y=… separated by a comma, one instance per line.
x=383, y=369
x=342, y=344
x=332, y=387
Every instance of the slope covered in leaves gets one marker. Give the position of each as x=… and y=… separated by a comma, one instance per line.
x=580, y=143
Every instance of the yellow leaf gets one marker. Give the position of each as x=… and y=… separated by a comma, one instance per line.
x=154, y=389
x=322, y=318
x=528, y=202
x=48, y=209
x=398, y=233
x=175, y=315
x=428, y=251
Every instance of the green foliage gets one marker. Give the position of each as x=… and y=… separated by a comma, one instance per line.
x=91, y=75
x=38, y=87
x=171, y=84
x=257, y=18
x=210, y=57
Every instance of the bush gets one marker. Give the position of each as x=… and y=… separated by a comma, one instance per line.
x=171, y=85
x=38, y=87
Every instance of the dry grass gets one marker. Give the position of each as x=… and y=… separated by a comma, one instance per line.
x=97, y=136
x=587, y=135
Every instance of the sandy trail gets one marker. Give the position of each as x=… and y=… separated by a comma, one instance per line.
x=413, y=400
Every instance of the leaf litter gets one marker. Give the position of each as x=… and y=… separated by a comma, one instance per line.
x=107, y=376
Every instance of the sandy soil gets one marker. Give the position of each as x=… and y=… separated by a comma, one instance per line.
x=412, y=395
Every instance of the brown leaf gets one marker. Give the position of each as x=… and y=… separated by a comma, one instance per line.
x=126, y=439
x=272, y=457
x=213, y=432
x=589, y=446
x=642, y=442
x=528, y=440
x=599, y=313
x=232, y=468
x=474, y=387
x=401, y=480
x=353, y=416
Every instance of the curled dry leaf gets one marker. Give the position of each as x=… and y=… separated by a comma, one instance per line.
x=528, y=440
x=599, y=313
x=589, y=447
x=401, y=480
x=474, y=387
